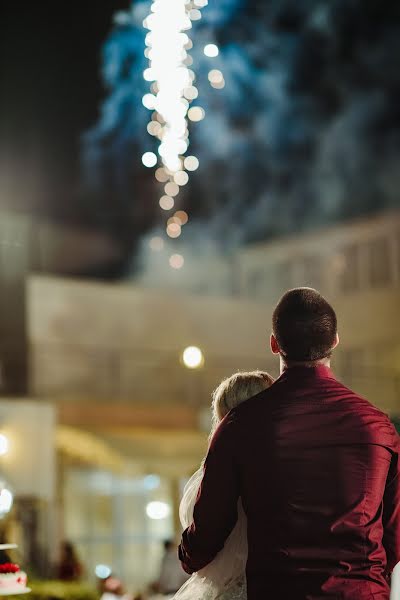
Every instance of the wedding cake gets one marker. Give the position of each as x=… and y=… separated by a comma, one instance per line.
x=12, y=580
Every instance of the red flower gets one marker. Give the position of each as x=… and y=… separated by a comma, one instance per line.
x=9, y=568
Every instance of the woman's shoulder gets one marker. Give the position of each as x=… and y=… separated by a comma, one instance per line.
x=261, y=401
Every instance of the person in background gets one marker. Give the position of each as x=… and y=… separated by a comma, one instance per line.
x=172, y=576
x=112, y=588
x=69, y=567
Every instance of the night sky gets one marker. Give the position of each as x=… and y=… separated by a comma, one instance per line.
x=306, y=132
x=50, y=93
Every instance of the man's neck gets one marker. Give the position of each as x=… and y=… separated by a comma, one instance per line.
x=284, y=365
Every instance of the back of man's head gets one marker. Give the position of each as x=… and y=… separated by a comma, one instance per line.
x=304, y=325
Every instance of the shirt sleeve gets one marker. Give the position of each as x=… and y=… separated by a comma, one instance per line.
x=391, y=510
x=215, y=511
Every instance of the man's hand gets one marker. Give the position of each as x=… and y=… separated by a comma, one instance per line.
x=215, y=512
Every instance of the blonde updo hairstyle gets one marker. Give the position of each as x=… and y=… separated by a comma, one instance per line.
x=236, y=389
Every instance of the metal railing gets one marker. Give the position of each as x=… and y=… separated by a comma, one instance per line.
x=61, y=371
x=107, y=374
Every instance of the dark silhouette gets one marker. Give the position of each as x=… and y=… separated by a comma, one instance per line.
x=69, y=568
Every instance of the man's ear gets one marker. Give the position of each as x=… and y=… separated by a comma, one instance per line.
x=274, y=345
x=337, y=341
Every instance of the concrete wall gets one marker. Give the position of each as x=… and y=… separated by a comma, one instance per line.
x=29, y=465
x=118, y=341
x=121, y=343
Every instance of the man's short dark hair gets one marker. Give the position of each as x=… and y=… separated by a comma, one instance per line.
x=304, y=325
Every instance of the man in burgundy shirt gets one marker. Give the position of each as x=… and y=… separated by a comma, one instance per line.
x=317, y=469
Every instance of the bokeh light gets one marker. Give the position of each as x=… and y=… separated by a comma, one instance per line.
x=6, y=501
x=182, y=217
x=4, y=444
x=176, y=261
x=154, y=128
x=156, y=243
x=166, y=202
x=172, y=91
x=181, y=178
x=191, y=163
x=174, y=230
x=149, y=75
x=149, y=159
x=161, y=175
x=191, y=92
x=219, y=85
x=151, y=482
x=158, y=510
x=195, y=14
x=171, y=189
x=211, y=50
x=196, y=113
x=174, y=219
x=102, y=571
x=149, y=101
x=215, y=76
x=192, y=357
x=172, y=81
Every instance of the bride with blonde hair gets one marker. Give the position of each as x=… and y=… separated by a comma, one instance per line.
x=224, y=578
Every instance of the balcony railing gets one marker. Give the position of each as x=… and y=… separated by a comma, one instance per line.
x=76, y=372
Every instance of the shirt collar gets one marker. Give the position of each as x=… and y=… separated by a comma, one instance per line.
x=317, y=372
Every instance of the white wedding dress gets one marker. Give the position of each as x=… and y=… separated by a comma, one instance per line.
x=224, y=578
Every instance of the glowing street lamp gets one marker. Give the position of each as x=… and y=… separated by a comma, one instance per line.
x=193, y=357
x=158, y=510
x=4, y=444
x=6, y=501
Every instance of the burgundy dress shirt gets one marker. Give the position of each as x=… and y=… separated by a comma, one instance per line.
x=317, y=469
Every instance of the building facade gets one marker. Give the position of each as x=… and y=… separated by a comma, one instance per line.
x=133, y=421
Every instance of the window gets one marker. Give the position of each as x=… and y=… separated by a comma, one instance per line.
x=397, y=255
x=284, y=277
x=106, y=518
x=379, y=260
x=350, y=276
x=312, y=272
x=256, y=283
